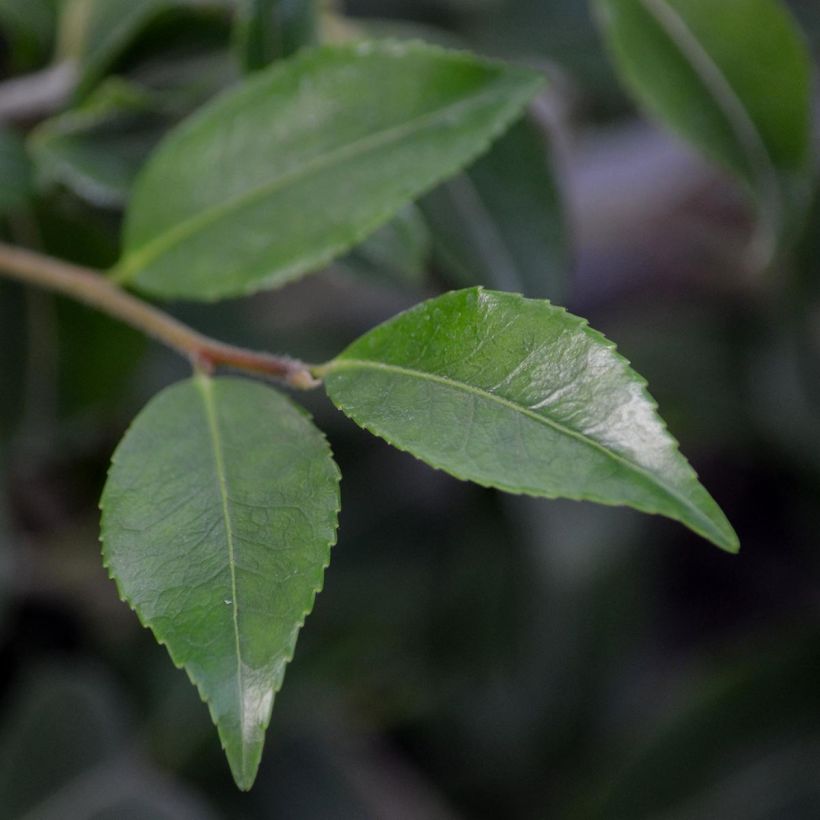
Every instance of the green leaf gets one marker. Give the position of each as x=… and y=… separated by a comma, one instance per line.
x=399, y=252
x=520, y=395
x=16, y=185
x=306, y=159
x=64, y=752
x=501, y=224
x=750, y=703
x=268, y=30
x=733, y=78
x=12, y=361
x=28, y=26
x=218, y=517
x=96, y=149
x=97, y=33
x=98, y=357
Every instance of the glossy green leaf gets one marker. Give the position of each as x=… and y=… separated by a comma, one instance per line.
x=268, y=30
x=501, y=224
x=520, y=395
x=16, y=184
x=399, y=252
x=306, y=159
x=218, y=517
x=732, y=77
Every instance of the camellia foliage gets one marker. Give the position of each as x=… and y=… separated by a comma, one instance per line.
x=221, y=505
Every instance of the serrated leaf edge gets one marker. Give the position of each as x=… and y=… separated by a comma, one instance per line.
x=731, y=542
x=127, y=272
x=289, y=655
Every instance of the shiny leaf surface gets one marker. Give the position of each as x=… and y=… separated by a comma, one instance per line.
x=306, y=159
x=520, y=395
x=218, y=516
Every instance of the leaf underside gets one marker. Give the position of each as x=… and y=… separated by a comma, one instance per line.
x=306, y=159
x=520, y=395
x=218, y=517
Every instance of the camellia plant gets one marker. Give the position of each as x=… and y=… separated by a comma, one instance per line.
x=220, y=508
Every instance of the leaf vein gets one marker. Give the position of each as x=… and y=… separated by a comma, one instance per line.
x=642, y=472
x=206, y=390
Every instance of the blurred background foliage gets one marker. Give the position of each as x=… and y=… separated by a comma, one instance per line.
x=472, y=655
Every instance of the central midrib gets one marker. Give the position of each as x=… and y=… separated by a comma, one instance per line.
x=711, y=75
x=140, y=259
x=341, y=364
x=206, y=390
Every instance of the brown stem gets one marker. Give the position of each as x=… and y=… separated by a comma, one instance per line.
x=94, y=289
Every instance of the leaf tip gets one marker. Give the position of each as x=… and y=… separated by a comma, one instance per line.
x=722, y=534
x=245, y=770
x=731, y=544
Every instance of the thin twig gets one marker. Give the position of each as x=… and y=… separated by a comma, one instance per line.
x=92, y=288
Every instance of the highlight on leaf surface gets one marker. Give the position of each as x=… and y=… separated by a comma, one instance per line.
x=732, y=77
x=305, y=159
x=520, y=395
x=218, y=518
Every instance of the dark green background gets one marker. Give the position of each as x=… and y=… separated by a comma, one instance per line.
x=472, y=655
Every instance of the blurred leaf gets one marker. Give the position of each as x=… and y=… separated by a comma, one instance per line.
x=560, y=31
x=96, y=149
x=16, y=185
x=742, y=718
x=313, y=155
x=731, y=77
x=399, y=252
x=12, y=355
x=268, y=30
x=97, y=358
x=197, y=552
x=74, y=230
x=522, y=396
x=29, y=28
x=7, y=558
x=502, y=223
x=60, y=727
x=64, y=754
x=182, y=81
x=97, y=33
